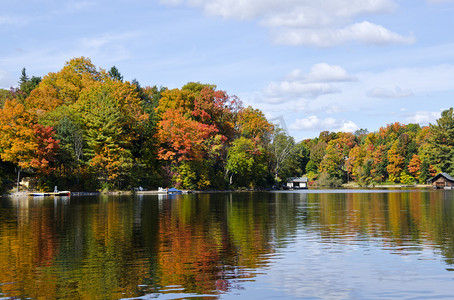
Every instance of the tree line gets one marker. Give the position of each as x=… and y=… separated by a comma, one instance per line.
x=85, y=128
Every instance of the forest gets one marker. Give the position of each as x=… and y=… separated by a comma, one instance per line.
x=87, y=129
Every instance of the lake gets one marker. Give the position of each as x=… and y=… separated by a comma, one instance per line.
x=308, y=244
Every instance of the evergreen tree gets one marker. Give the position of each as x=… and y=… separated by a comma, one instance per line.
x=23, y=78
x=115, y=74
x=441, y=142
x=424, y=172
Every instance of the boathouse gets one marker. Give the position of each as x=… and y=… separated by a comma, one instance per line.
x=297, y=182
x=442, y=181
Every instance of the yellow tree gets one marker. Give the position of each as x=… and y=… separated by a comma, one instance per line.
x=355, y=162
x=253, y=124
x=396, y=162
x=64, y=86
x=17, y=137
x=336, y=153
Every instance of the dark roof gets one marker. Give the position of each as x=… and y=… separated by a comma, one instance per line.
x=297, y=179
x=445, y=175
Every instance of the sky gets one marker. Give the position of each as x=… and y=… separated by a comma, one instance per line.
x=325, y=65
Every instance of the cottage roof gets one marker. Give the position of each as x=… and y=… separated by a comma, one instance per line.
x=297, y=179
x=445, y=175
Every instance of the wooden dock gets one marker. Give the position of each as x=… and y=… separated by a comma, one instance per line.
x=41, y=194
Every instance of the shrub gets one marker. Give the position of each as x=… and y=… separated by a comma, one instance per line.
x=325, y=180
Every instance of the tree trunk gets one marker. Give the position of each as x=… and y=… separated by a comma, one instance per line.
x=18, y=177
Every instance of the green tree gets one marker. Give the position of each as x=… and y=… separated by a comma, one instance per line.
x=147, y=169
x=115, y=74
x=111, y=117
x=30, y=85
x=424, y=172
x=441, y=142
x=246, y=164
x=311, y=167
x=333, y=162
x=317, y=153
x=70, y=154
x=295, y=164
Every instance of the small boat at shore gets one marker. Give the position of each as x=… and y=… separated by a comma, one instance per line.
x=173, y=190
x=38, y=194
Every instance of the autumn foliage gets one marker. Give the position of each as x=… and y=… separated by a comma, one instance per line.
x=84, y=128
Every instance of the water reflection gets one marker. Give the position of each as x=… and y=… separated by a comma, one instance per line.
x=213, y=245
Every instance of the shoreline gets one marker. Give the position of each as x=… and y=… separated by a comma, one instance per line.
x=22, y=194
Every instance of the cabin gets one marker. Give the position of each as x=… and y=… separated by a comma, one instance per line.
x=297, y=183
x=442, y=181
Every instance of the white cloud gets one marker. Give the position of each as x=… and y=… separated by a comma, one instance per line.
x=317, y=124
x=328, y=73
x=307, y=22
x=319, y=81
x=312, y=14
x=423, y=117
x=364, y=32
x=348, y=126
x=388, y=93
x=332, y=11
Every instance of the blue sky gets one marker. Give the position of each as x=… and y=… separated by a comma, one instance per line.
x=336, y=65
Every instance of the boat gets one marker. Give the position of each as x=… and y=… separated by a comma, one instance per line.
x=173, y=190
x=61, y=193
x=38, y=194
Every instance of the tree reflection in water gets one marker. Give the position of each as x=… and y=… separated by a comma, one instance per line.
x=200, y=244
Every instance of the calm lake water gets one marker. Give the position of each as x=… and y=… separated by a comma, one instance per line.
x=389, y=244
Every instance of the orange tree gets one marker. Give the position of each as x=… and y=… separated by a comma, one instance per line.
x=196, y=125
x=25, y=143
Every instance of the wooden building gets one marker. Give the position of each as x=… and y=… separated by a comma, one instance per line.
x=442, y=181
x=297, y=182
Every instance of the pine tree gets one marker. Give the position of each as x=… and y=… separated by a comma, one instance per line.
x=115, y=74
x=23, y=78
